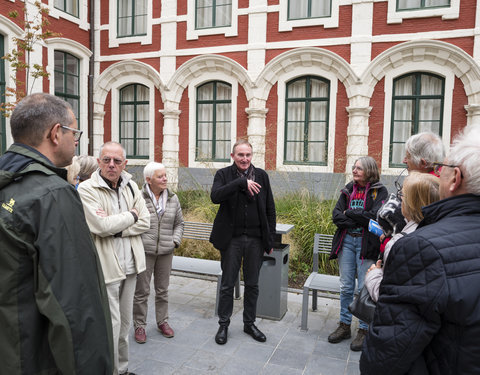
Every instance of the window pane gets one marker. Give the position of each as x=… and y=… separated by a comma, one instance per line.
x=204, y=3
x=223, y=15
x=404, y=86
x=72, y=85
x=430, y=109
x=127, y=129
x=296, y=111
x=318, y=89
x=142, y=130
x=205, y=92
x=295, y=131
x=59, y=60
x=124, y=27
x=402, y=131
x=223, y=149
x=59, y=4
x=398, y=152
x=224, y=91
x=205, y=131
x=317, y=131
x=141, y=7
x=75, y=103
x=297, y=9
x=294, y=151
x=321, y=8
x=140, y=25
x=204, y=150
x=204, y=17
x=127, y=93
x=205, y=112
x=128, y=144
x=142, y=93
x=436, y=3
x=316, y=152
x=431, y=85
x=318, y=111
x=409, y=4
x=223, y=112
x=403, y=110
x=296, y=89
x=72, y=64
x=429, y=126
x=223, y=131
x=124, y=8
x=142, y=147
x=142, y=112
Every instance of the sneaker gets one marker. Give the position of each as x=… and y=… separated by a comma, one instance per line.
x=357, y=342
x=165, y=329
x=341, y=333
x=140, y=335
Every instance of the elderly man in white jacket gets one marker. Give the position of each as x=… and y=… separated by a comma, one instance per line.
x=117, y=215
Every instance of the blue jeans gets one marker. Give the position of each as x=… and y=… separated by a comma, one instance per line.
x=350, y=264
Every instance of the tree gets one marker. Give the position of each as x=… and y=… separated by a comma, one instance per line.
x=23, y=71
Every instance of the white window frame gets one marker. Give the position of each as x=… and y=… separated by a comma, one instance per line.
x=193, y=34
x=447, y=13
x=114, y=40
x=284, y=24
x=281, y=93
x=81, y=20
x=83, y=54
x=425, y=67
x=120, y=83
x=192, y=121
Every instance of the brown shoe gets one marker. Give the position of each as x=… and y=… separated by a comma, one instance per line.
x=140, y=335
x=357, y=342
x=341, y=333
x=165, y=329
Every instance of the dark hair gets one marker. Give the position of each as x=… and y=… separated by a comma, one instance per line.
x=35, y=114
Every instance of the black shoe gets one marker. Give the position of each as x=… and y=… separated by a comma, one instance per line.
x=254, y=332
x=128, y=373
x=221, y=336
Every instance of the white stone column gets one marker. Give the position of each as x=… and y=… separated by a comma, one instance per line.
x=169, y=40
x=170, y=145
x=473, y=114
x=361, y=41
x=257, y=38
x=256, y=132
x=357, y=133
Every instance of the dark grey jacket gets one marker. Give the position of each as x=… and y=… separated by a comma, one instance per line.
x=54, y=313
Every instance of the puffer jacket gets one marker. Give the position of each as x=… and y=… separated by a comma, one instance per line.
x=376, y=194
x=54, y=313
x=165, y=233
x=96, y=194
x=429, y=304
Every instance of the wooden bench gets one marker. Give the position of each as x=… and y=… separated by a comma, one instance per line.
x=201, y=231
x=317, y=281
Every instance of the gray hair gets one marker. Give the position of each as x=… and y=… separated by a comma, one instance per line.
x=465, y=152
x=112, y=143
x=241, y=141
x=88, y=165
x=370, y=168
x=427, y=146
x=150, y=169
x=35, y=114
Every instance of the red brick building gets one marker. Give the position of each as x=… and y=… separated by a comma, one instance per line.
x=313, y=84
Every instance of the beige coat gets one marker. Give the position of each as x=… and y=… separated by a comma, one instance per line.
x=96, y=194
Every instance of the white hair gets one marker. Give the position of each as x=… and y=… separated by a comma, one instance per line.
x=150, y=169
x=112, y=143
x=465, y=152
x=427, y=146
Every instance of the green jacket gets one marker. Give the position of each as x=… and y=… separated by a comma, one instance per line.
x=54, y=313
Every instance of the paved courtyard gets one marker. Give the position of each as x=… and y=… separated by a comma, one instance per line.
x=288, y=350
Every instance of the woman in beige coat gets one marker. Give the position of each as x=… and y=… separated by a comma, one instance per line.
x=164, y=235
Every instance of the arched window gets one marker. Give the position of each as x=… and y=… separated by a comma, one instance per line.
x=306, y=121
x=417, y=106
x=214, y=107
x=134, y=120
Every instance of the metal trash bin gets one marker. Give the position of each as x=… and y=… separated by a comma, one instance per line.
x=273, y=279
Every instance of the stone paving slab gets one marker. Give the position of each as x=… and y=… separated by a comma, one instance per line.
x=288, y=350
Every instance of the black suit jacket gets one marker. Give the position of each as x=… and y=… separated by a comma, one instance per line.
x=225, y=189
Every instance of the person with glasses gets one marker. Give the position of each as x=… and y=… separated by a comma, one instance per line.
x=55, y=316
x=117, y=216
x=427, y=318
x=355, y=247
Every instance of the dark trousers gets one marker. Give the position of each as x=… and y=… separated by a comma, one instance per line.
x=251, y=250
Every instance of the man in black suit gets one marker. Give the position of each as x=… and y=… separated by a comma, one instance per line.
x=244, y=228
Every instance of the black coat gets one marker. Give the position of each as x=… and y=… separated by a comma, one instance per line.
x=225, y=189
x=430, y=296
x=375, y=197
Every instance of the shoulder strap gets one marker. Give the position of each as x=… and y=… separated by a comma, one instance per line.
x=131, y=189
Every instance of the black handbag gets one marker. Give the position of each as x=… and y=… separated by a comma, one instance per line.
x=363, y=306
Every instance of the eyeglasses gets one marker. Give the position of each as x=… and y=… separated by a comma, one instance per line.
x=107, y=160
x=76, y=133
x=438, y=166
x=399, y=194
x=397, y=183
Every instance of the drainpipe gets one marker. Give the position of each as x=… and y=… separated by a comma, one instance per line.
x=91, y=73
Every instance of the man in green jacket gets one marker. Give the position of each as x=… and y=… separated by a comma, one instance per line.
x=54, y=311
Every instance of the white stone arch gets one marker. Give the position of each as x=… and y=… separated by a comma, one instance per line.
x=440, y=58
x=111, y=80
x=83, y=54
x=206, y=64
x=296, y=63
x=9, y=30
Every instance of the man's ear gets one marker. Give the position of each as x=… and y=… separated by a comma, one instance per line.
x=53, y=134
x=456, y=180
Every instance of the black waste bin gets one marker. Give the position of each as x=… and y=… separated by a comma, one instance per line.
x=273, y=279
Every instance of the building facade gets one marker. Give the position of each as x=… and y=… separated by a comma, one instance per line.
x=313, y=84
